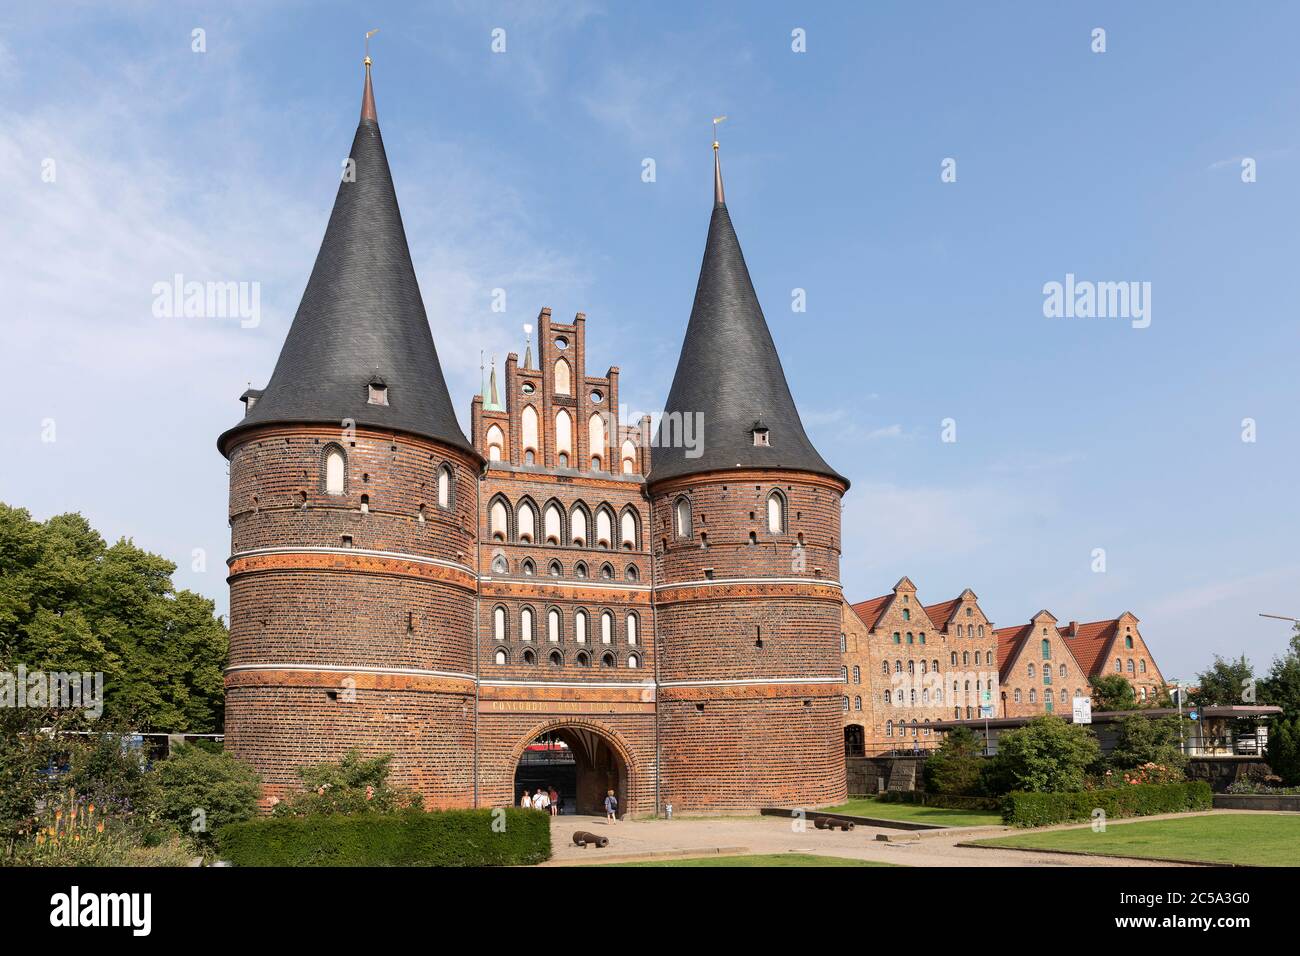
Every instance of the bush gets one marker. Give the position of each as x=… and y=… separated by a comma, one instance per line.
x=1047, y=755
x=1284, y=750
x=223, y=788
x=348, y=786
x=1043, y=809
x=507, y=837
x=956, y=766
x=1140, y=742
x=951, y=801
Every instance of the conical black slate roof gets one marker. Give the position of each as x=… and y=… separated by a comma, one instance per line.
x=729, y=371
x=361, y=318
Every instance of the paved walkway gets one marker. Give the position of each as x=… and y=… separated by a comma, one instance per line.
x=702, y=836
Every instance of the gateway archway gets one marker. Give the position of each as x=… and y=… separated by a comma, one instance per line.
x=580, y=762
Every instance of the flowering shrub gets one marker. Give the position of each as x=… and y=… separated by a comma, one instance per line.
x=74, y=831
x=351, y=785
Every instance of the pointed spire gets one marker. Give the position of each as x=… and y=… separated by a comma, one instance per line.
x=496, y=401
x=719, y=197
x=361, y=316
x=730, y=404
x=368, y=113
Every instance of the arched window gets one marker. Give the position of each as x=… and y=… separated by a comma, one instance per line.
x=500, y=565
x=496, y=441
x=857, y=703
x=846, y=703
x=527, y=522
x=1047, y=674
x=633, y=661
x=562, y=377
x=1033, y=696
x=627, y=529
x=1130, y=665
x=632, y=574
x=1031, y=670
x=563, y=436
x=530, y=441
x=628, y=454
x=1128, y=641
x=887, y=697
x=529, y=657
x=604, y=528
x=580, y=569
x=682, y=517
x=607, y=660
x=444, y=486
x=1119, y=666
x=954, y=658
x=911, y=667
x=1019, y=698
x=526, y=624
x=556, y=659
x=776, y=513
x=606, y=628
x=555, y=569
x=898, y=667
x=981, y=630
x=1047, y=649
x=632, y=628
x=889, y=728
x=1064, y=672
x=844, y=674
x=583, y=659
x=965, y=658
x=596, y=440
x=857, y=674
x=553, y=626
x=580, y=626
x=335, y=470
x=551, y=524
x=499, y=623
x=607, y=572
x=499, y=521
x=1142, y=666
x=501, y=657
x=527, y=567
x=578, y=526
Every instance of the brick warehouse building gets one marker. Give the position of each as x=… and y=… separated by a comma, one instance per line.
x=665, y=614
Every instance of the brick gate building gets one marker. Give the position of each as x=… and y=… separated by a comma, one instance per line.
x=665, y=614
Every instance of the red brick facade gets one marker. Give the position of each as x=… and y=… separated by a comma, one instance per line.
x=550, y=595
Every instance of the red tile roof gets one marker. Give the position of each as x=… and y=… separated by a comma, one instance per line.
x=1089, y=646
x=940, y=614
x=870, y=611
x=1009, y=639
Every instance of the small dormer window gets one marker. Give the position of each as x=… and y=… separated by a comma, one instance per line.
x=378, y=391
x=761, y=435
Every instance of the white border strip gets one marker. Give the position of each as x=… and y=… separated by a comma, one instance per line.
x=540, y=580
x=401, y=555
x=752, y=681
x=538, y=683
x=715, y=582
x=333, y=669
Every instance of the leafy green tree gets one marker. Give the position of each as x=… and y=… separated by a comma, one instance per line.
x=1282, y=685
x=202, y=791
x=1047, y=755
x=1113, y=692
x=1283, y=753
x=1224, y=683
x=69, y=602
x=1141, y=740
x=353, y=784
x=956, y=766
x=26, y=755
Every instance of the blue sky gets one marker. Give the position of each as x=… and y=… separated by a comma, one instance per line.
x=522, y=170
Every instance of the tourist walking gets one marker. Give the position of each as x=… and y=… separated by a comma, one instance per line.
x=526, y=802
x=611, y=807
x=555, y=802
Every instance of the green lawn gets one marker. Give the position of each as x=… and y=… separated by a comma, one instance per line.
x=1261, y=839
x=914, y=812
x=760, y=859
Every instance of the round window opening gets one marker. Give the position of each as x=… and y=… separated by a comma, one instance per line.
x=561, y=343
x=597, y=397
x=528, y=388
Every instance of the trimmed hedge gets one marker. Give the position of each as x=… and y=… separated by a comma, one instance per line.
x=414, y=838
x=1043, y=809
x=949, y=801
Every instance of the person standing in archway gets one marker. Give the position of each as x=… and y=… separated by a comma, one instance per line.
x=526, y=802
x=555, y=801
x=611, y=807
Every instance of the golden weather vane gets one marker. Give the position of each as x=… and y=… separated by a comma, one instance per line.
x=716, y=121
x=369, y=34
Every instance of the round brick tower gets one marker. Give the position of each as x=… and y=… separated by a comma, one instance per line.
x=746, y=537
x=353, y=521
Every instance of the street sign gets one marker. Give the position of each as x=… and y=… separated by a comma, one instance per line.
x=1192, y=714
x=986, y=710
x=1083, y=710
x=988, y=697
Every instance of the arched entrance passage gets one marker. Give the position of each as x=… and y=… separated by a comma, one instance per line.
x=854, y=741
x=581, y=760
